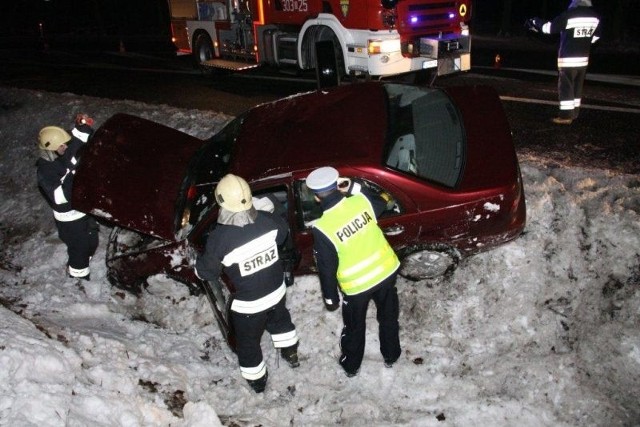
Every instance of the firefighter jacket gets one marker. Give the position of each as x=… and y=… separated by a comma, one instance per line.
x=578, y=28
x=55, y=181
x=250, y=258
x=350, y=248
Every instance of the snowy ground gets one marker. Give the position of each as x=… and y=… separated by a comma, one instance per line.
x=544, y=331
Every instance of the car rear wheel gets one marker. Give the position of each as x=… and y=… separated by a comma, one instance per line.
x=429, y=262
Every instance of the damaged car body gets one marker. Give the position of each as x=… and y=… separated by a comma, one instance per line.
x=443, y=159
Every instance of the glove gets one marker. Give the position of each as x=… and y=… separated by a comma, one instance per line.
x=83, y=119
x=331, y=306
x=344, y=184
x=290, y=258
x=348, y=186
x=288, y=278
x=534, y=24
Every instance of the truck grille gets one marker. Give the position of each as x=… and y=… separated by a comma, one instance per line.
x=431, y=29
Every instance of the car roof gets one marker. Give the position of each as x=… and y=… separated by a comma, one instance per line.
x=343, y=125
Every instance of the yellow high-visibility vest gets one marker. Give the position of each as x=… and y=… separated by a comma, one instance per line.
x=365, y=258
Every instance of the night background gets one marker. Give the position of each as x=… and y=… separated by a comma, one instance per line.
x=144, y=24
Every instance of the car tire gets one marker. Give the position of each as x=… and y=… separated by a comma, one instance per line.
x=429, y=262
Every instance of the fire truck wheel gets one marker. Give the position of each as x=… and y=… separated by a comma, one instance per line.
x=202, y=49
x=339, y=57
x=326, y=33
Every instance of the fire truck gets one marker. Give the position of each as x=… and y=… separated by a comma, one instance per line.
x=370, y=38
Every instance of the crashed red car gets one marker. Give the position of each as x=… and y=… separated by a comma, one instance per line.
x=443, y=158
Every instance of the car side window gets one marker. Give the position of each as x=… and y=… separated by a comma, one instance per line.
x=403, y=154
x=309, y=210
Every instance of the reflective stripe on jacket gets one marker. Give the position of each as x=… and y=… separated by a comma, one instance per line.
x=365, y=256
x=578, y=28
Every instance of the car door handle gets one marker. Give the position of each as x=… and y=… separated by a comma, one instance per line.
x=394, y=230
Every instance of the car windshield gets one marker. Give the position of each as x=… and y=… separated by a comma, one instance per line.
x=208, y=165
x=426, y=137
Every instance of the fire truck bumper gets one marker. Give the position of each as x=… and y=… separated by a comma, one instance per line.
x=449, y=54
x=447, y=65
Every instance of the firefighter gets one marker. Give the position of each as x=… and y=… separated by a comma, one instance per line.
x=246, y=244
x=578, y=27
x=58, y=158
x=352, y=253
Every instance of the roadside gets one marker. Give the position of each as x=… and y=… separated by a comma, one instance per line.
x=528, y=52
x=540, y=53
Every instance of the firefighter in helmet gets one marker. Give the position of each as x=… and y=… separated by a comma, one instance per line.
x=246, y=243
x=352, y=254
x=578, y=27
x=58, y=157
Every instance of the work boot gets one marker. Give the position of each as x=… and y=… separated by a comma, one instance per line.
x=348, y=373
x=259, y=385
x=388, y=363
x=290, y=354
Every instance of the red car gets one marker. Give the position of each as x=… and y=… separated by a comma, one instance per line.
x=444, y=160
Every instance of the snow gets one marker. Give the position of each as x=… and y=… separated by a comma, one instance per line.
x=543, y=331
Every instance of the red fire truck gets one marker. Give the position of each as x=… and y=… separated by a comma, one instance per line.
x=371, y=38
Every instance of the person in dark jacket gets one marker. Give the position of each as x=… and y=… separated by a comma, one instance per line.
x=56, y=165
x=352, y=254
x=579, y=27
x=245, y=243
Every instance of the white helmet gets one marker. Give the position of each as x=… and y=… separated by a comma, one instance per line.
x=233, y=194
x=51, y=138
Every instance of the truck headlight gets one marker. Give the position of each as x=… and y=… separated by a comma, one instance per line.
x=376, y=47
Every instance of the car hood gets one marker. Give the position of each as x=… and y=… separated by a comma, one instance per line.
x=131, y=173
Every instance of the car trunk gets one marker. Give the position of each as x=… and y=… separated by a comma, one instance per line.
x=131, y=173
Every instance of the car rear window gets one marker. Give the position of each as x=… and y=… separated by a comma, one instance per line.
x=426, y=137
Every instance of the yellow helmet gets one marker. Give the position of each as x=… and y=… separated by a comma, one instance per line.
x=51, y=138
x=233, y=194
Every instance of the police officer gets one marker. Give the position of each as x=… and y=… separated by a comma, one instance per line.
x=352, y=253
x=245, y=243
x=578, y=27
x=58, y=158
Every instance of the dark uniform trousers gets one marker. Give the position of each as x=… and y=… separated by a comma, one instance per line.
x=250, y=327
x=354, y=313
x=570, y=84
x=81, y=238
